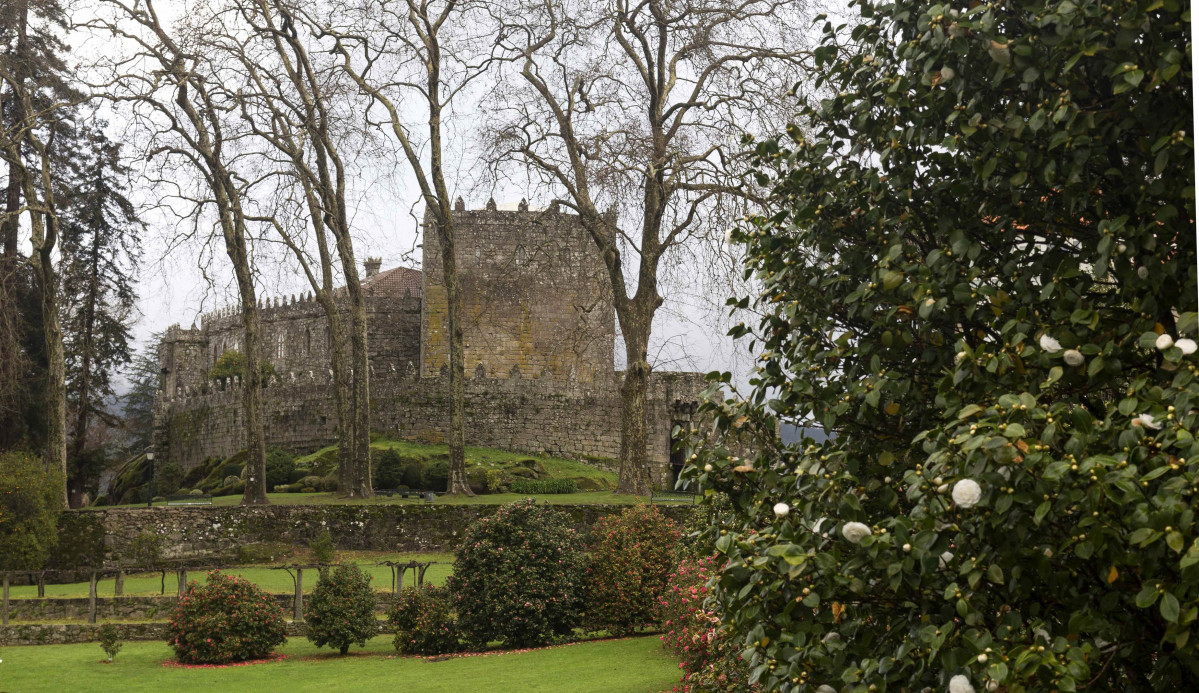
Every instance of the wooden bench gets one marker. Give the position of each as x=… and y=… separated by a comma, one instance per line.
x=188, y=499
x=673, y=497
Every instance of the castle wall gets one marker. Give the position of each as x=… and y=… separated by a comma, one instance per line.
x=536, y=297
x=536, y=416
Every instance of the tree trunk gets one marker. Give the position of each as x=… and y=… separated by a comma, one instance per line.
x=341, y=389
x=56, y=399
x=634, y=477
x=360, y=475
x=255, y=493
x=456, y=437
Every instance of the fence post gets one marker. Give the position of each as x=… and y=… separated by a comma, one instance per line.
x=182, y=581
x=119, y=584
x=400, y=570
x=420, y=576
x=41, y=584
x=91, y=599
x=299, y=602
x=4, y=603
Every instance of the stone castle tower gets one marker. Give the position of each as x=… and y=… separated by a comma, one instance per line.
x=539, y=335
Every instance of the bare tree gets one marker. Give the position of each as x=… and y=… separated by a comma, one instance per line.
x=168, y=82
x=428, y=52
x=26, y=145
x=289, y=100
x=635, y=111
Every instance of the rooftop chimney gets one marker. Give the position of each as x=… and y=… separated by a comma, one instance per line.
x=372, y=265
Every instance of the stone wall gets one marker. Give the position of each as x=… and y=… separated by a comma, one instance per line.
x=71, y=633
x=215, y=533
x=568, y=419
x=155, y=608
x=536, y=298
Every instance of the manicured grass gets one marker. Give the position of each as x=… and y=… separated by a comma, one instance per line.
x=633, y=665
x=582, y=498
x=274, y=581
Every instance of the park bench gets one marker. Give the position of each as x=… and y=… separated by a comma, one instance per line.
x=673, y=497
x=406, y=493
x=188, y=499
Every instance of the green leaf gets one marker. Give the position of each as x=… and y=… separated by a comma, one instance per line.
x=1147, y=596
x=1169, y=607
x=995, y=574
x=1018, y=179
x=1174, y=541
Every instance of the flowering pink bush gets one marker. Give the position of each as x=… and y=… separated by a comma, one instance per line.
x=226, y=620
x=631, y=560
x=424, y=621
x=691, y=629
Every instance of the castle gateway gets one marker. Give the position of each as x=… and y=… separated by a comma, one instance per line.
x=539, y=333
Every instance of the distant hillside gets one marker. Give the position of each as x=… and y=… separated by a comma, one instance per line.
x=792, y=433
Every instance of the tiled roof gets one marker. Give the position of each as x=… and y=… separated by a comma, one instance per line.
x=394, y=282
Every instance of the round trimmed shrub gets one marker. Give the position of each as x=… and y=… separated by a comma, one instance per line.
x=341, y=610
x=423, y=619
x=412, y=475
x=518, y=577
x=228, y=619
x=388, y=471
x=435, y=476
x=632, y=555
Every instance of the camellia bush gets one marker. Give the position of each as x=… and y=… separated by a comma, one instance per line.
x=31, y=497
x=341, y=609
x=424, y=622
x=691, y=629
x=977, y=271
x=518, y=577
x=228, y=619
x=632, y=555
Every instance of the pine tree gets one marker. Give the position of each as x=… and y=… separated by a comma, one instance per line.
x=138, y=400
x=100, y=256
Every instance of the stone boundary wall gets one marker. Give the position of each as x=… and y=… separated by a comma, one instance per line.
x=72, y=633
x=572, y=420
x=152, y=608
x=104, y=537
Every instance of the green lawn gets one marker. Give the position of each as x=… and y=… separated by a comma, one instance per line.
x=581, y=498
x=608, y=666
x=275, y=581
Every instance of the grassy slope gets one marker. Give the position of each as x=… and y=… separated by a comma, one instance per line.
x=611, y=666
x=274, y=581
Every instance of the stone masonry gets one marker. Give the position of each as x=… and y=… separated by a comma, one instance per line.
x=539, y=338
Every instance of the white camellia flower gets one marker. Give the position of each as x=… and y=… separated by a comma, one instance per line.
x=1187, y=346
x=825, y=688
x=1143, y=272
x=1050, y=344
x=1164, y=341
x=855, y=532
x=782, y=509
x=728, y=236
x=967, y=493
x=945, y=559
x=1149, y=421
x=708, y=467
x=960, y=684
x=947, y=73
x=992, y=685
x=1073, y=357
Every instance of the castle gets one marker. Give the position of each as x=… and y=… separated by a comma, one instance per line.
x=539, y=333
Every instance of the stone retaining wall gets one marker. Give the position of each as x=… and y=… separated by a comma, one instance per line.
x=104, y=537
x=70, y=633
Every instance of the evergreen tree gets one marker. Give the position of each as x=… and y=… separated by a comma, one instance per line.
x=138, y=401
x=100, y=255
x=979, y=271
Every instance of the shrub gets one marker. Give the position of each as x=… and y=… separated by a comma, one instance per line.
x=424, y=622
x=496, y=481
x=518, y=577
x=100, y=502
x=977, y=267
x=30, y=501
x=308, y=489
x=341, y=609
x=435, y=476
x=226, y=620
x=413, y=474
x=544, y=486
x=322, y=547
x=168, y=477
x=109, y=638
x=328, y=484
x=279, y=468
x=388, y=471
x=632, y=555
x=691, y=629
